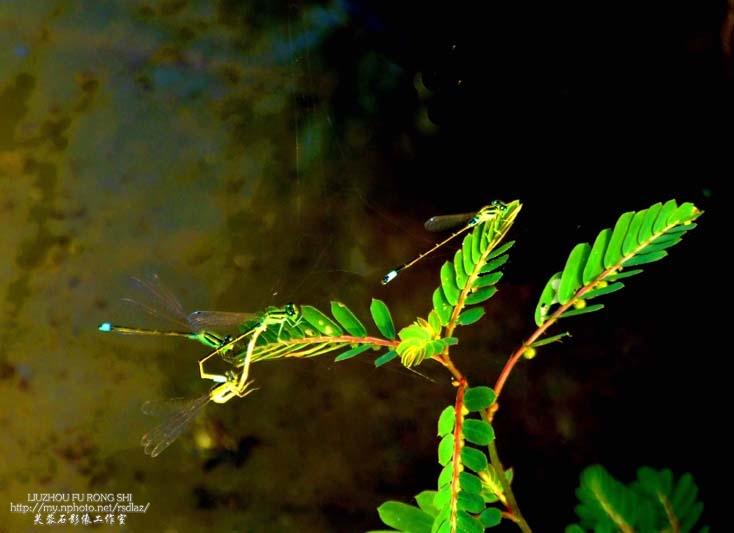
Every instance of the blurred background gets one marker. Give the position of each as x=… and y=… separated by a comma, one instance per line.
x=254, y=153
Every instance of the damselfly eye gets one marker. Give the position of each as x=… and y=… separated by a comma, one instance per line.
x=499, y=204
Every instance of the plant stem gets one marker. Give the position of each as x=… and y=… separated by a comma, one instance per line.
x=446, y=361
x=516, y=515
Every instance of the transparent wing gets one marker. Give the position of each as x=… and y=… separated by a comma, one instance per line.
x=155, y=299
x=219, y=321
x=447, y=222
x=178, y=413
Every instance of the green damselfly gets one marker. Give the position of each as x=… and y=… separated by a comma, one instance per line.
x=205, y=327
x=179, y=412
x=443, y=222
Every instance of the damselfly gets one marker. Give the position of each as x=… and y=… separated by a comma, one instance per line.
x=180, y=412
x=273, y=316
x=203, y=326
x=443, y=222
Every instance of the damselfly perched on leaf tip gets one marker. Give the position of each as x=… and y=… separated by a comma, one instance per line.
x=443, y=222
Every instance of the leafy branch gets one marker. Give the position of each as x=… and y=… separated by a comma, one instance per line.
x=653, y=502
x=466, y=282
x=592, y=271
x=473, y=488
x=461, y=503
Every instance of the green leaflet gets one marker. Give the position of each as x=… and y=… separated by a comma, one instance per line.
x=446, y=449
x=493, y=264
x=446, y=421
x=480, y=295
x=419, y=330
x=473, y=459
x=425, y=502
x=448, y=284
x=468, y=501
x=685, y=213
x=664, y=214
x=347, y=319
x=353, y=352
x=646, y=229
x=462, y=275
x=467, y=253
x=641, y=259
x=404, y=517
x=595, y=263
x=548, y=298
x=413, y=351
x=498, y=251
x=320, y=321
x=490, y=517
x=478, y=398
x=477, y=432
x=441, y=523
x=441, y=306
x=471, y=484
x=444, y=478
x=486, y=280
x=631, y=241
x=663, y=243
x=466, y=523
x=613, y=255
x=571, y=278
x=381, y=315
x=386, y=358
x=434, y=322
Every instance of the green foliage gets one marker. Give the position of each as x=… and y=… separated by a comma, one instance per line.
x=348, y=319
x=383, y=319
x=471, y=277
x=591, y=271
x=467, y=483
x=473, y=486
x=479, y=398
x=651, y=503
x=463, y=493
x=474, y=490
x=404, y=517
x=314, y=333
x=466, y=281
